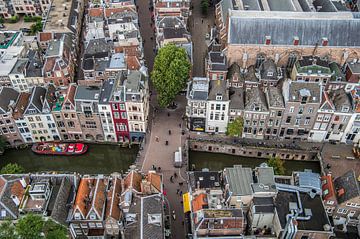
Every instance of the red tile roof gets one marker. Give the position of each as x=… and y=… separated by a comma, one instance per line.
x=95, y=12
x=133, y=180
x=82, y=195
x=155, y=180
x=198, y=202
x=100, y=196
x=45, y=36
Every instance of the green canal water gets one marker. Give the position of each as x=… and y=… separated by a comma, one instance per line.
x=216, y=162
x=103, y=159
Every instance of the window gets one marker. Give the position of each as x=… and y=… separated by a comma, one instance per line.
x=310, y=110
x=291, y=110
x=122, y=106
x=218, y=106
x=301, y=110
x=116, y=115
x=123, y=115
x=114, y=106
x=288, y=120
x=342, y=210
x=37, y=118
x=212, y=106
x=218, y=97
x=307, y=121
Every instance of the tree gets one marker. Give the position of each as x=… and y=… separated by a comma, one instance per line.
x=7, y=230
x=36, y=27
x=170, y=73
x=53, y=230
x=30, y=227
x=235, y=128
x=278, y=165
x=204, y=6
x=12, y=168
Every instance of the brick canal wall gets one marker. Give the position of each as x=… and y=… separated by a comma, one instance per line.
x=257, y=151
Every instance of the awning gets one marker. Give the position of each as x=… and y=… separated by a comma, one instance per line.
x=186, y=202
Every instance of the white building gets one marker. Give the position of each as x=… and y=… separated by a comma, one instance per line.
x=106, y=117
x=197, y=95
x=137, y=104
x=38, y=115
x=217, y=109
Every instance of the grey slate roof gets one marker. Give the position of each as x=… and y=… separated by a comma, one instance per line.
x=249, y=75
x=106, y=91
x=152, y=205
x=354, y=67
x=35, y=65
x=268, y=70
x=274, y=97
x=237, y=98
x=19, y=67
x=217, y=61
x=239, y=180
x=98, y=48
x=255, y=100
x=340, y=98
x=234, y=72
x=348, y=182
x=7, y=95
x=37, y=94
x=218, y=87
x=282, y=27
x=225, y=6
x=87, y=93
x=198, y=89
x=60, y=209
x=299, y=89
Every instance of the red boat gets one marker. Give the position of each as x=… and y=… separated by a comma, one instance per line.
x=59, y=148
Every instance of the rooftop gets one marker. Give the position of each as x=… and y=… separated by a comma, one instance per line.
x=264, y=181
x=204, y=179
x=274, y=97
x=198, y=88
x=313, y=207
x=218, y=88
x=8, y=97
x=301, y=91
x=251, y=27
x=106, y=90
x=347, y=187
x=239, y=180
x=90, y=93
x=263, y=204
x=255, y=100
x=61, y=16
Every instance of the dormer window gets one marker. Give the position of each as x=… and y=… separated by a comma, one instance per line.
x=270, y=73
x=324, y=41
x=304, y=99
x=296, y=41
x=267, y=40
x=345, y=109
x=218, y=97
x=133, y=97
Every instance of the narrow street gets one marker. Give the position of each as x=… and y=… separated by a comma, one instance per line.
x=157, y=153
x=199, y=26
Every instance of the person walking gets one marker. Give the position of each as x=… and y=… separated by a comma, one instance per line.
x=171, y=179
x=177, y=191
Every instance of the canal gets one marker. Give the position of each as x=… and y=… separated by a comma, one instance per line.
x=216, y=162
x=103, y=159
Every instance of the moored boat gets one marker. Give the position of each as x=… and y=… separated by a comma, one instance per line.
x=59, y=148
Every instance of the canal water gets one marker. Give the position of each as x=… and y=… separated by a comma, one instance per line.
x=216, y=162
x=103, y=159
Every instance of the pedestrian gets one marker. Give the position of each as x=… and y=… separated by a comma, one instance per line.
x=168, y=114
x=171, y=179
x=153, y=167
x=180, y=193
x=175, y=175
x=156, y=138
x=181, y=183
x=177, y=191
x=159, y=169
x=181, y=202
x=202, y=20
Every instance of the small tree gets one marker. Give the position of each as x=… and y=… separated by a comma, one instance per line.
x=36, y=27
x=204, y=6
x=277, y=164
x=170, y=73
x=53, y=230
x=235, y=128
x=12, y=168
x=30, y=227
x=7, y=230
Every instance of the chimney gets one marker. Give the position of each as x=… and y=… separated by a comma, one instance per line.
x=15, y=200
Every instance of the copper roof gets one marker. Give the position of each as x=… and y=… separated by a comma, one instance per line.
x=113, y=200
x=133, y=180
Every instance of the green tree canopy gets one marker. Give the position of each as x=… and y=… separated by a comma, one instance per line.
x=235, y=128
x=204, y=6
x=53, y=230
x=12, y=168
x=36, y=27
x=30, y=227
x=170, y=73
x=278, y=164
x=7, y=230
